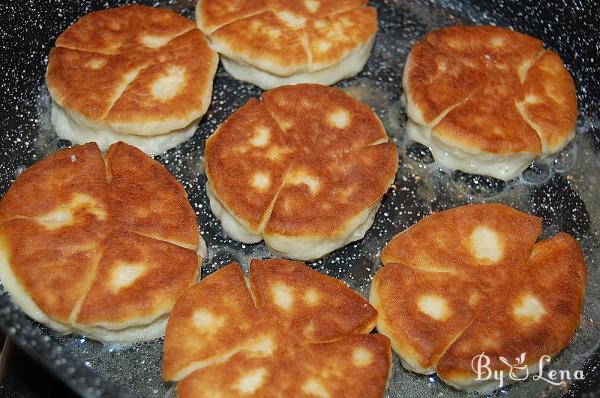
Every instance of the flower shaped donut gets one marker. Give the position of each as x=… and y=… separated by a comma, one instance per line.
x=472, y=281
x=288, y=331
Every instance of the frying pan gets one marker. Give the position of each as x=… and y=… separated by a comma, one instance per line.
x=563, y=190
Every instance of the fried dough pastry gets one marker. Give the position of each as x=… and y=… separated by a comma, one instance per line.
x=271, y=43
x=488, y=100
x=287, y=331
x=473, y=280
x=101, y=247
x=136, y=74
x=304, y=169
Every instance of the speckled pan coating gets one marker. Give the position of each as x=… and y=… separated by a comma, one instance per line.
x=564, y=191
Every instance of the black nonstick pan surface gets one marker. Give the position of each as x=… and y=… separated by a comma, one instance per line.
x=564, y=190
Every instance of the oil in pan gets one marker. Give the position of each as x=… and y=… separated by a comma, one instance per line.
x=563, y=190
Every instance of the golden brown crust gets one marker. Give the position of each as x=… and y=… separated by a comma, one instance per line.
x=316, y=8
x=162, y=210
x=489, y=89
x=335, y=189
x=122, y=29
x=303, y=146
x=284, y=37
x=69, y=75
x=442, y=241
x=267, y=36
x=75, y=170
x=333, y=37
x=248, y=149
x=556, y=275
x=323, y=308
x=320, y=119
x=228, y=344
x=399, y=289
x=211, y=15
x=139, y=70
x=222, y=295
x=186, y=55
x=553, y=118
x=303, y=371
x=448, y=65
x=470, y=280
x=54, y=266
x=136, y=278
x=486, y=132
x=72, y=221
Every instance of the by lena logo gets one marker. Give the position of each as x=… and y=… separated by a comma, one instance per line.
x=518, y=370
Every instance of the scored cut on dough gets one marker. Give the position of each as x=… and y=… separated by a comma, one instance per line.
x=473, y=280
x=488, y=100
x=304, y=169
x=138, y=74
x=272, y=43
x=98, y=246
x=288, y=330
